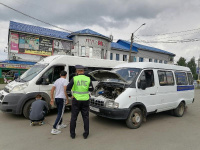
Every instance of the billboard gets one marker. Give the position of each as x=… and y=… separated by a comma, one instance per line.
x=14, y=39
x=64, y=46
x=36, y=45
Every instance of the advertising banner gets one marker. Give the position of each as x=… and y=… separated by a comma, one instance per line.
x=15, y=66
x=63, y=46
x=29, y=44
x=14, y=40
x=46, y=44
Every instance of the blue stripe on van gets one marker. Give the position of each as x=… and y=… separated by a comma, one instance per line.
x=185, y=87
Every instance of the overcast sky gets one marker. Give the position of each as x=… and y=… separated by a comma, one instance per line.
x=117, y=17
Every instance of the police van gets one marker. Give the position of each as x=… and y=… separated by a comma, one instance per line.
x=131, y=91
x=18, y=95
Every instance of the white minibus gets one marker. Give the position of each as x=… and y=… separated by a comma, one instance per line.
x=18, y=95
x=131, y=91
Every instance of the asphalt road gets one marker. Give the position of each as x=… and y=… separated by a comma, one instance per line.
x=160, y=132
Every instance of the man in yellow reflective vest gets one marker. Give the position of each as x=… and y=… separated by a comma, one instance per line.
x=80, y=86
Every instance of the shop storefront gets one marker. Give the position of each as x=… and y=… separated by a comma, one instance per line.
x=9, y=68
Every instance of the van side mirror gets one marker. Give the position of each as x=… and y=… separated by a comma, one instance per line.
x=45, y=80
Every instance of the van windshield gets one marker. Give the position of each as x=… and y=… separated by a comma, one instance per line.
x=31, y=73
x=128, y=74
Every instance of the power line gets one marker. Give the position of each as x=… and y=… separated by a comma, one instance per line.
x=35, y=18
x=170, y=41
x=176, y=35
x=173, y=32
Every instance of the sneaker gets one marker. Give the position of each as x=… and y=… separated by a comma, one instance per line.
x=40, y=123
x=55, y=131
x=33, y=123
x=61, y=126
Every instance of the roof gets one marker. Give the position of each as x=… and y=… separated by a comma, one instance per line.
x=38, y=30
x=122, y=47
x=143, y=47
x=86, y=32
x=153, y=65
x=18, y=62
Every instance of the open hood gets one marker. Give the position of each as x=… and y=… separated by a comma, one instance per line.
x=100, y=75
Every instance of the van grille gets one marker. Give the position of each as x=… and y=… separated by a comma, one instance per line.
x=96, y=102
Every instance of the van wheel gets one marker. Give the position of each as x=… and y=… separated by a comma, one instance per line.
x=27, y=108
x=134, y=119
x=179, y=111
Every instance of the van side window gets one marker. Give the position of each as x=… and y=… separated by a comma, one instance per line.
x=53, y=73
x=181, y=78
x=165, y=78
x=148, y=76
x=190, y=78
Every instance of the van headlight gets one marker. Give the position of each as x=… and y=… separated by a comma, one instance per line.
x=19, y=87
x=112, y=104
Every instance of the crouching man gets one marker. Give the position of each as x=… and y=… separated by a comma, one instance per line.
x=38, y=111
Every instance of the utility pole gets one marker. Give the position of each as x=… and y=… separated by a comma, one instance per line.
x=199, y=68
x=132, y=39
x=132, y=36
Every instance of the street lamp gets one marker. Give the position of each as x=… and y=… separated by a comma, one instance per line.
x=132, y=38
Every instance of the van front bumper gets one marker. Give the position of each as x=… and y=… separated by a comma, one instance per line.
x=112, y=113
x=10, y=102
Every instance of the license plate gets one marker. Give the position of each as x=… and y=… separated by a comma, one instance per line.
x=94, y=109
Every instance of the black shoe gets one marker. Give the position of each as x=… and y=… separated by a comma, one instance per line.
x=73, y=136
x=85, y=136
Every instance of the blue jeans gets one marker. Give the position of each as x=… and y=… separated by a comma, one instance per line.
x=60, y=102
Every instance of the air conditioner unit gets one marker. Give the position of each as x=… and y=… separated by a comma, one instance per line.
x=14, y=58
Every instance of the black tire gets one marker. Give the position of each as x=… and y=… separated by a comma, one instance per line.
x=179, y=111
x=26, y=109
x=134, y=119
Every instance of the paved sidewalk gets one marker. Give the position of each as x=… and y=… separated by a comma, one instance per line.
x=2, y=86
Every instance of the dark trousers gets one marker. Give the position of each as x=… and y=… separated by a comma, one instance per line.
x=78, y=106
x=60, y=102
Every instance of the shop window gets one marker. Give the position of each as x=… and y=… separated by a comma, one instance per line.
x=117, y=57
x=160, y=61
x=111, y=56
x=83, y=52
x=155, y=60
x=141, y=59
x=105, y=57
x=150, y=60
x=102, y=54
x=124, y=57
x=165, y=62
x=90, y=52
x=134, y=59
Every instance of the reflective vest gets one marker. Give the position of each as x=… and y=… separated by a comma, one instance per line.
x=81, y=87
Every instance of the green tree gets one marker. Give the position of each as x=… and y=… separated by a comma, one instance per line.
x=182, y=61
x=192, y=65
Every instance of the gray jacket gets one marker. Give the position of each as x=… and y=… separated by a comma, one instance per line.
x=38, y=109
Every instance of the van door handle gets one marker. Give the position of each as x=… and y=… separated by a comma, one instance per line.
x=153, y=94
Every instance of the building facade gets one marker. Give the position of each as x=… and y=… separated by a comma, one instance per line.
x=32, y=43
